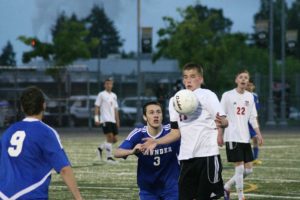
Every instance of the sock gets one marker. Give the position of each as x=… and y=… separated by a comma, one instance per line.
x=229, y=183
x=239, y=180
x=255, y=152
x=108, y=148
x=247, y=172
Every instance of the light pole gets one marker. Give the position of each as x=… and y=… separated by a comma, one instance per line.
x=271, y=46
x=138, y=59
x=283, y=102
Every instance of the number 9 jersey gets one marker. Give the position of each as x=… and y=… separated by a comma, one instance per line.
x=29, y=150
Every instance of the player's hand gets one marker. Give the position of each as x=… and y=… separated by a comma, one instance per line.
x=221, y=121
x=137, y=149
x=148, y=145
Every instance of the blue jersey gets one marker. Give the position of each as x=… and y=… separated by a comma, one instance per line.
x=159, y=169
x=257, y=106
x=29, y=150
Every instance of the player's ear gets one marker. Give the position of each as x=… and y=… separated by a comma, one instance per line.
x=145, y=118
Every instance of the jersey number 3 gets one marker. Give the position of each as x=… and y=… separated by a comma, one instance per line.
x=16, y=143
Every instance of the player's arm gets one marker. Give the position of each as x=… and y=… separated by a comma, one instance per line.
x=123, y=153
x=254, y=123
x=117, y=117
x=151, y=143
x=97, y=115
x=69, y=179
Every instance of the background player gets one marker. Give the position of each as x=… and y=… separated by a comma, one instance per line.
x=29, y=151
x=255, y=148
x=158, y=171
x=106, y=106
x=239, y=107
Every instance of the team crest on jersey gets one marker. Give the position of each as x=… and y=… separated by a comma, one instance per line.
x=234, y=103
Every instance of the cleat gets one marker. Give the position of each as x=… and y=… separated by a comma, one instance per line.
x=226, y=194
x=111, y=160
x=100, y=153
x=257, y=162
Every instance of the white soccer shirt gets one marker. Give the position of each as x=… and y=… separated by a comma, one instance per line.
x=239, y=108
x=198, y=130
x=107, y=101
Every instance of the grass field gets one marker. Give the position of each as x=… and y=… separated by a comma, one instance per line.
x=277, y=178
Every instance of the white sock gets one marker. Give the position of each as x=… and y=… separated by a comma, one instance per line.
x=247, y=172
x=229, y=183
x=239, y=180
x=108, y=149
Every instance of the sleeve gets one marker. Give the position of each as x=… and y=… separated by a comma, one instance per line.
x=213, y=105
x=132, y=139
x=253, y=115
x=116, y=102
x=223, y=102
x=98, y=100
x=172, y=112
x=53, y=151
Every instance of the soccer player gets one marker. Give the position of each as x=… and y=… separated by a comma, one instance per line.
x=158, y=170
x=239, y=107
x=255, y=148
x=107, y=115
x=29, y=151
x=201, y=167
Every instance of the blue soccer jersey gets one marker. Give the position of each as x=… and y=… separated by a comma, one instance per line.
x=257, y=106
x=30, y=150
x=159, y=169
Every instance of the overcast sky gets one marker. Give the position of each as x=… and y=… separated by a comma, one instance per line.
x=36, y=17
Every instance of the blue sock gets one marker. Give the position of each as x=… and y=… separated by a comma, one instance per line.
x=255, y=152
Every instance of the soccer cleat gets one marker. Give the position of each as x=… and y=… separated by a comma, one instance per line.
x=226, y=194
x=257, y=162
x=111, y=160
x=100, y=153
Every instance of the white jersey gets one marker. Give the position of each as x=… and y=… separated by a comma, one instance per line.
x=240, y=109
x=198, y=130
x=107, y=101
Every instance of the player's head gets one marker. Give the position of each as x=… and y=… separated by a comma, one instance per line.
x=152, y=114
x=32, y=101
x=250, y=86
x=192, y=76
x=108, y=84
x=242, y=79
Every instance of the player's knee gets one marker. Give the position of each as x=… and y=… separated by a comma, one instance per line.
x=239, y=169
x=248, y=171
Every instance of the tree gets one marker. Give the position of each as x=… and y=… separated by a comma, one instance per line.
x=7, y=58
x=101, y=27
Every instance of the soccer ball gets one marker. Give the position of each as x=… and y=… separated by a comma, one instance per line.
x=185, y=102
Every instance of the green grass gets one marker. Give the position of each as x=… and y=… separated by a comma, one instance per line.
x=277, y=178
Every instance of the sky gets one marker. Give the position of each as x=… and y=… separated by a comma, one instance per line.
x=36, y=17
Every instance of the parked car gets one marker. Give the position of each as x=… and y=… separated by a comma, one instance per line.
x=128, y=109
x=81, y=110
x=294, y=113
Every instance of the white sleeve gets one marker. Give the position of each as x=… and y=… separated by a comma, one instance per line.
x=172, y=112
x=98, y=100
x=213, y=105
x=223, y=102
x=253, y=116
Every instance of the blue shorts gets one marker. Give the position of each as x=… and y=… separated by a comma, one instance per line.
x=160, y=194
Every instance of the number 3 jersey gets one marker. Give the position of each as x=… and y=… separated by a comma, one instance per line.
x=160, y=168
x=29, y=150
x=240, y=109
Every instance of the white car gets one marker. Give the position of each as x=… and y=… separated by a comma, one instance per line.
x=294, y=113
x=81, y=109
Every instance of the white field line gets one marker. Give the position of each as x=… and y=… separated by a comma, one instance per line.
x=136, y=189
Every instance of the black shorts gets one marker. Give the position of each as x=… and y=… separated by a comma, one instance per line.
x=201, y=178
x=238, y=152
x=110, y=127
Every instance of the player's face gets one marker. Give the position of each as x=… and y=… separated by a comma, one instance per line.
x=153, y=116
x=192, y=79
x=108, y=85
x=250, y=87
x=242, y=80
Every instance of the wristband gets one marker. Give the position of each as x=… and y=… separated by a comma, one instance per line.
x=96, y=118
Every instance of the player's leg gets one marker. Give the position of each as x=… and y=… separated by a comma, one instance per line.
x=214, y=177
x=256, y=152
x=187, y=184
x=170, y=193
x=108, y=129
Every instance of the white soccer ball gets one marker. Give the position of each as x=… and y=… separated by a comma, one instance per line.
x=185, y=102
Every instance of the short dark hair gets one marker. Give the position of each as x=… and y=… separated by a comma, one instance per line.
x=32, y=100
x=243, y=71
x=198, y=67
x=150, y=103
